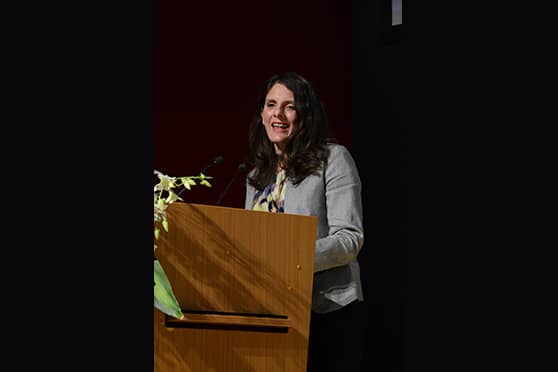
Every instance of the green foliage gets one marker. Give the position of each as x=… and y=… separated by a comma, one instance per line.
x=165, y=193
x=164, y=298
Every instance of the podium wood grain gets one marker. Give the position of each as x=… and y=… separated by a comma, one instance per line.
x=244, y=281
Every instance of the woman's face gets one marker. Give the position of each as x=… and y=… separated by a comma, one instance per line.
x=279, y=116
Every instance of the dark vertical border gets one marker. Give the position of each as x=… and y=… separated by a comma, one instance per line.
x=82, y=272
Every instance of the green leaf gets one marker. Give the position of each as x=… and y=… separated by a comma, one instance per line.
x=205, y=183
x=164, y=299
x=165, y=224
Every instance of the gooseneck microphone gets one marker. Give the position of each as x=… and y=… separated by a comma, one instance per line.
x=218, y=160
x=241, y=168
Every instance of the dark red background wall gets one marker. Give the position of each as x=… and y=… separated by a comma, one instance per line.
x=211, y=60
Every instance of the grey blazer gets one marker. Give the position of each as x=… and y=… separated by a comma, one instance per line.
x=334, y=196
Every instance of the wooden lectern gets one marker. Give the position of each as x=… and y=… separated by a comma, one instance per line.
x=244, y=281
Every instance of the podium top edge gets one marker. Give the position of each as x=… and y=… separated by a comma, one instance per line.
x=210, y=206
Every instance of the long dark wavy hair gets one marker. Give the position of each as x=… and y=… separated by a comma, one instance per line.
x=306, y=152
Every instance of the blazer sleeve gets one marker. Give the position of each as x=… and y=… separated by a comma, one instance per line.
x=344, y=212
x=250, y=193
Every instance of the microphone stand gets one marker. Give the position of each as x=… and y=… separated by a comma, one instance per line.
x=241, y=167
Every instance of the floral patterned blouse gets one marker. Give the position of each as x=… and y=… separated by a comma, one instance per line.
x=271, y=199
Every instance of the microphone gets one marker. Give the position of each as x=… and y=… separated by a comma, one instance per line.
x=218, y=160
x=241, y=168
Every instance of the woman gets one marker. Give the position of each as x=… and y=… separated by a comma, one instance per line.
x=297, y=170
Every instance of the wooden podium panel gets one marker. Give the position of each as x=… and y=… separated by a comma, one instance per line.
x=244, y=281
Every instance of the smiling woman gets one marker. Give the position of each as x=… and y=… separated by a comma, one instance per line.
x=299, y=170
x=279, y=116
